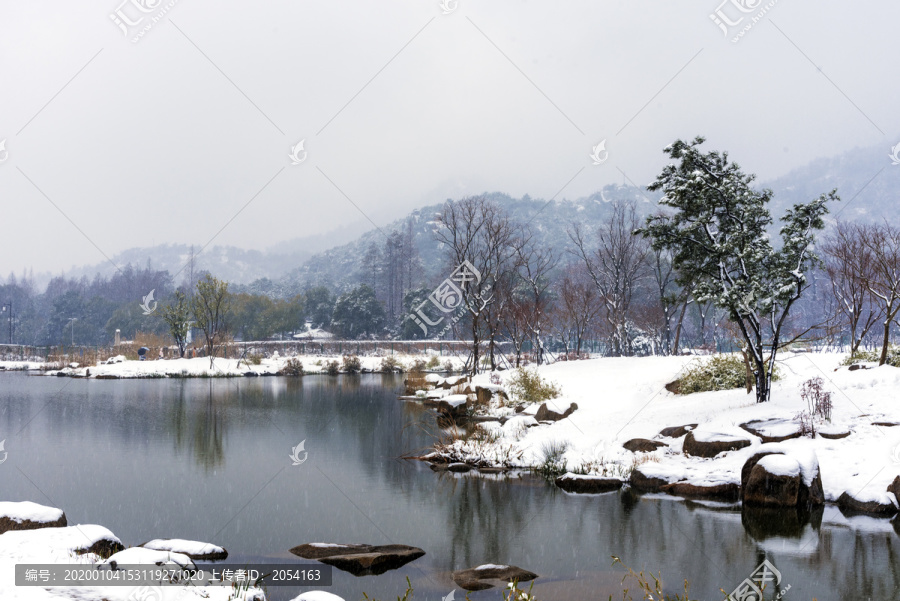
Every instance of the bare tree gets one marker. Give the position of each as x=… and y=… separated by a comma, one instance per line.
x=578, y=306
x=533, y=265
x=882, y=241
x=673, y=299
x=616, y=264
x=850, y=265
x=477, y=231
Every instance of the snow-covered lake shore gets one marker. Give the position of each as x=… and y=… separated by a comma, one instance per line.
x=622, y=399
x=199, y=367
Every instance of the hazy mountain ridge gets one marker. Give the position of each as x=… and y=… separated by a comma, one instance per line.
x=292, y=266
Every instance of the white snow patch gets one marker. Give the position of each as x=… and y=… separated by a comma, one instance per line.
x=317, y=596
x=780, y=465
x=179, y=545
x=26, y=510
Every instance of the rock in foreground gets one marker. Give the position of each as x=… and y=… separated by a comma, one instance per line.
x=360, y=559
x=478, y=579
x=192, y=548
x=864, y=503
x=710, y=444
x=643, y=445
x=775, y=477
x=578, y=483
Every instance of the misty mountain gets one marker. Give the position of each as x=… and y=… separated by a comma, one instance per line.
x=865, y=178
x=236, y=265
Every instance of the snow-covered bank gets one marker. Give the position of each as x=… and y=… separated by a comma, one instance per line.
x=199, y=367
x=620, y=399
x=32, y=365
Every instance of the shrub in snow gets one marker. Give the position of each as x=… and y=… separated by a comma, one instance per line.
x=389, y=364
x=553, y=465
x=433, y=363
x=332, y=368
x=873, y=356
x=351, y=364
x=817, y=398
x=527, y=385
x=719, y=372
x=293, y=367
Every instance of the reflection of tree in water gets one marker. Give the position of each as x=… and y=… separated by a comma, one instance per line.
x=201, y=429
x=490, y=513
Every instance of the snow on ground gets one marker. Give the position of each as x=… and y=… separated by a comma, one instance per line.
x=624, y=398
x=199, y=366
x=21, y=365
x=61, y=546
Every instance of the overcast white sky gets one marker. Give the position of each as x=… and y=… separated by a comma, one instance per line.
x=114, y=144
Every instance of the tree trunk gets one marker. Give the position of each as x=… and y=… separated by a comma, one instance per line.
x=885, y=342
x=762, y=384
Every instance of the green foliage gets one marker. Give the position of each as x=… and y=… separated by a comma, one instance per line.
x=254, y=359
x=409, y=329
x=433, y=363
x=528, y=386
x=351, y=364
x=177, y=315
x=719, y=372
x=717, y=233
x=873, y=356
x=258, y=317
x=210, y=307
x=319, y=305
x=358, y=313
x=293, y=367
x=332, y=368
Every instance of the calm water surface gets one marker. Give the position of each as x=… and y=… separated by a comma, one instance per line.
x=209, y=460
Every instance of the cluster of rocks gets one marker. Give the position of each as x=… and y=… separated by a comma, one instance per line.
x=773, y=478
x=26, y=515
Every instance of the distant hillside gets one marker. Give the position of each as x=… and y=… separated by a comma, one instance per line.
x=339, y=268
x=852, y=174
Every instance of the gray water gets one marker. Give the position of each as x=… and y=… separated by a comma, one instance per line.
x=209, y=460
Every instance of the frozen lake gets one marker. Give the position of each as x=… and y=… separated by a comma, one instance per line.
x=210, y=460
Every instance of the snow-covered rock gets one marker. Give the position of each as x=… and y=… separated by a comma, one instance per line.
x=582, y=484
x=317, y=596
x=192, y=548
x=26, y=515
x=142, y=556
x=868, y=501
x=705, y=441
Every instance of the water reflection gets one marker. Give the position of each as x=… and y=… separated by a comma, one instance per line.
x=198, y=427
